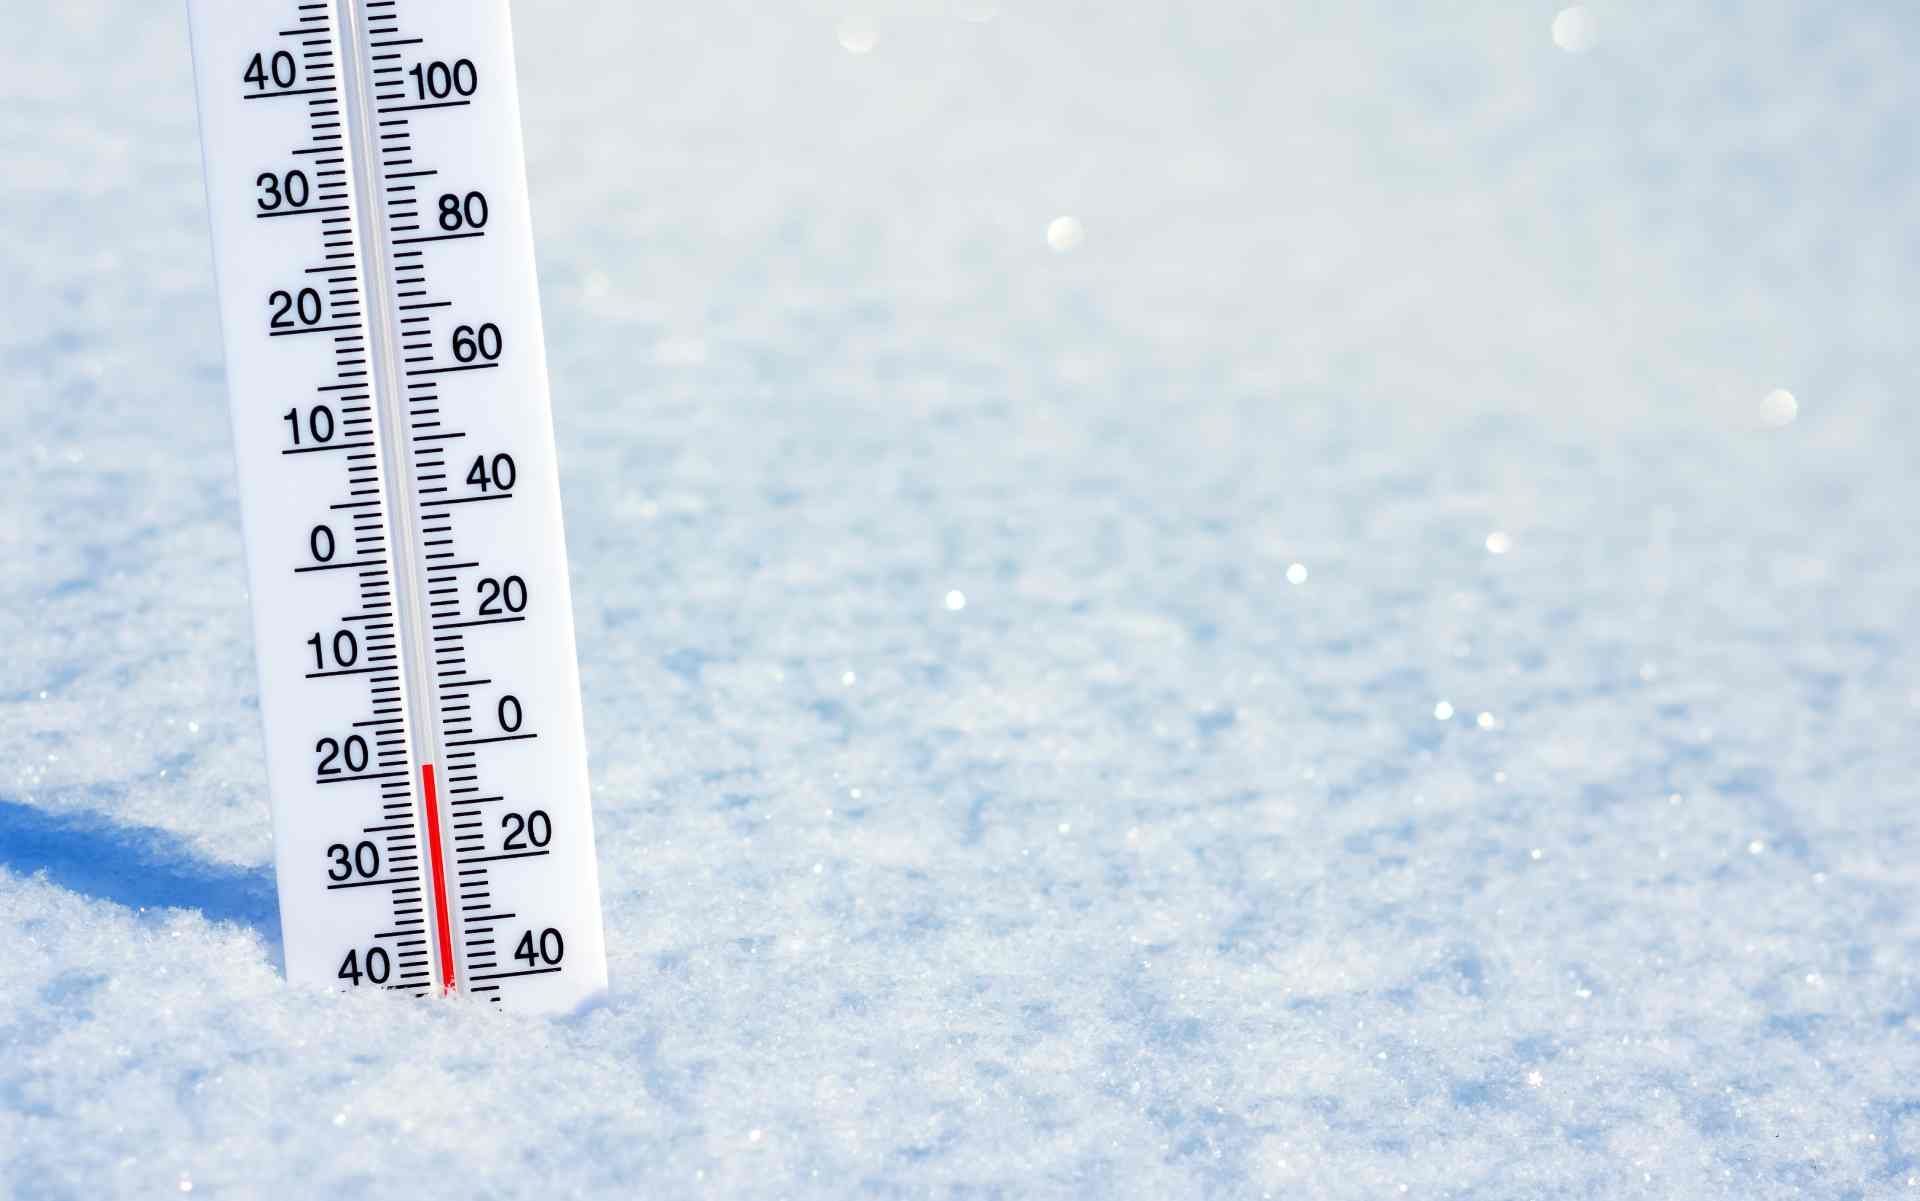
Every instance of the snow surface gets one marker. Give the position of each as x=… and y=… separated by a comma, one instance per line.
x=988, y=805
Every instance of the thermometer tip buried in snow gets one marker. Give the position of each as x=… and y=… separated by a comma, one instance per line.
x=387, y=383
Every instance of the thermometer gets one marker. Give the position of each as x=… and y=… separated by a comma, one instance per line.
x=387, y=378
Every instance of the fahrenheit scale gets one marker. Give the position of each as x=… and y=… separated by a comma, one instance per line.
x=387, y=377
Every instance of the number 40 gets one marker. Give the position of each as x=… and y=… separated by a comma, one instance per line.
x=373, y=966
x=547, y=947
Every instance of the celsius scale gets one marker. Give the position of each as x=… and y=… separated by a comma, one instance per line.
x=387, y=377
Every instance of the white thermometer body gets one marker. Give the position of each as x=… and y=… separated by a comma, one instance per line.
x=387, y=377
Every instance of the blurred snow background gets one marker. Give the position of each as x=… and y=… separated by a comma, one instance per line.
x=1231, y=599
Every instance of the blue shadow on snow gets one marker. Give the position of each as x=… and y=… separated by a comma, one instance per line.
x=136, y=866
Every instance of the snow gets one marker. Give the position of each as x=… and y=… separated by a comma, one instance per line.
x=1175, y=600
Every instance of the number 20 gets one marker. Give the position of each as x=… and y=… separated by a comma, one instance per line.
x=511, y=592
